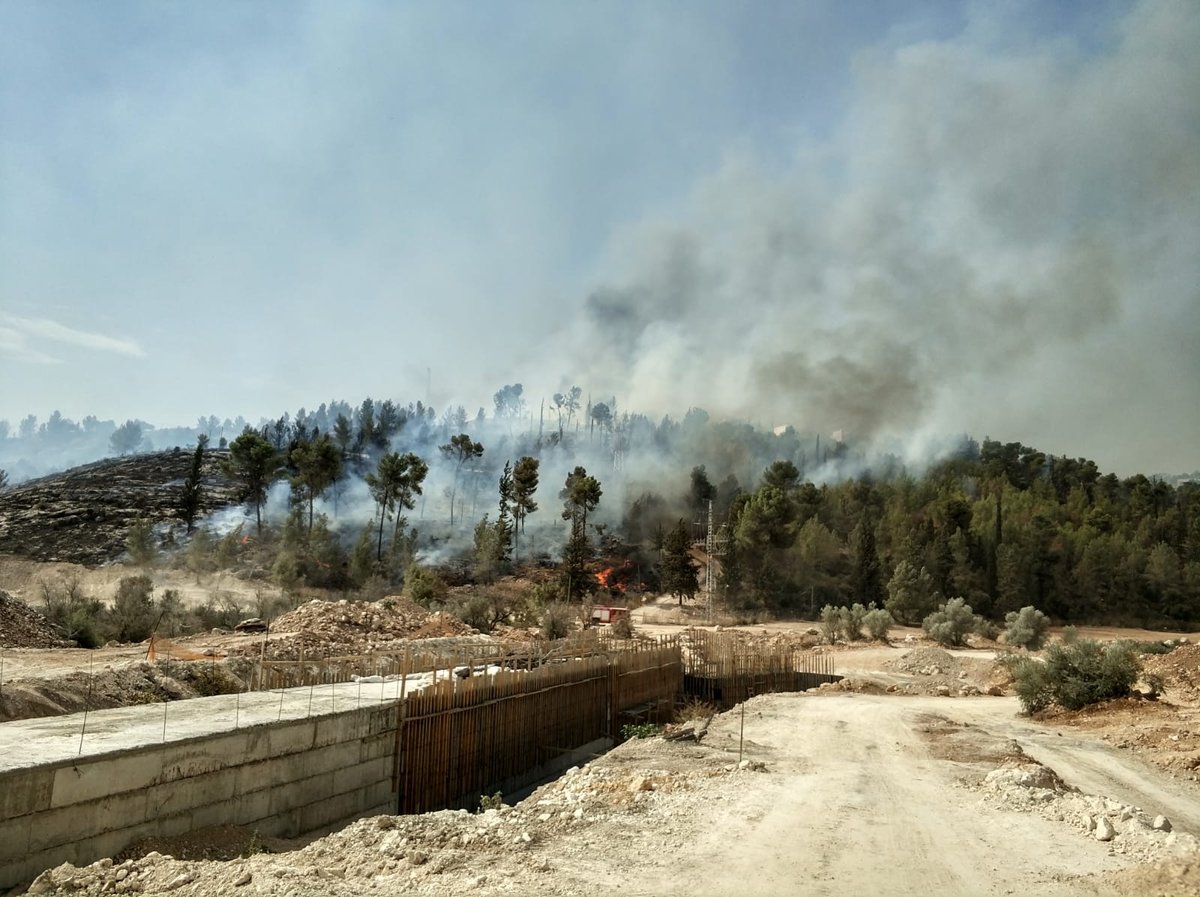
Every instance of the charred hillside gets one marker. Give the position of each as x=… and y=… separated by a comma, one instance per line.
x=83, y=515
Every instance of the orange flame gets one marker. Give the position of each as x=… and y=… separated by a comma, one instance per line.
x=607, y=579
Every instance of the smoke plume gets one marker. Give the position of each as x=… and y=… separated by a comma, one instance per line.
x=992, y=221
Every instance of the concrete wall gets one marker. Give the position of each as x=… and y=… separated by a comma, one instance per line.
x=283, y=779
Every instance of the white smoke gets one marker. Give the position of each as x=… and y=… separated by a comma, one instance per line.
x=998, y=238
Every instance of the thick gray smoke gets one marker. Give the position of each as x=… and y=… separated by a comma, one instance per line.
x=998, y=239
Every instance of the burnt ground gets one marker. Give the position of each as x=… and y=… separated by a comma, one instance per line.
x=83, y=515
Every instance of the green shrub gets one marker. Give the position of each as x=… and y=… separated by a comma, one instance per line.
x=1154, y=648
x=622, y=627
x=852, y=621
x=831, y=622
x=556, y=621
x=1077, y=675
x=1032, y=684
x=985, y=628
x=639, y=730
x=76, y=615
x=1070, y=635
x=877, y=622
x=424, y=586
x=1026, y=628
x=133, y=612
x=951, y=623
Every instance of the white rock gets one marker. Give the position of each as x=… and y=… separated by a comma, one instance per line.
x=1104, y=829
x=1087, y=822
x=1161, y=824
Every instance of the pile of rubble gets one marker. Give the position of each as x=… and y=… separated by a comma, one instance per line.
x=1179, y=671
x=335, y=628
x=23, y=627
x=1029, y=787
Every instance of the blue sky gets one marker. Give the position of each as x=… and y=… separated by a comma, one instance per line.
x=886, y=217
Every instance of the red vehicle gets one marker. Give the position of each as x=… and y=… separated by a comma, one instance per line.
x=604, y=614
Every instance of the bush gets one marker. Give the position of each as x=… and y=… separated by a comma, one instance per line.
x=1070, y=635
x=622, y=627
x=133, y=611
x=831, y=623
x=1032, y=684
x=951, y=623
x=1026, y=628
x=556, y=621
x=985, y=628
x=639, y=730
x=76, y=615
x=694, y=709
x=852, y=621
x=844, y=622
x=424, y=586
x=877, y=622
x=1077, y=675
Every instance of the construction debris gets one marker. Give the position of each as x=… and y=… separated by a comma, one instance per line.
x=23, y=627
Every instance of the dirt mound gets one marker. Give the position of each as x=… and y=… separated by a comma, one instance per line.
x=23, y=627
x=1160, y=732
x=926, y=662
x=340, y=628
x=389, y=619
x=118, y=686
x=1179, y=671
x=215, y=842
x=1166, y=878
x=1027, y=786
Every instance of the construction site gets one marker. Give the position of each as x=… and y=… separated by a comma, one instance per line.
x=691, y=759
x=310, y=744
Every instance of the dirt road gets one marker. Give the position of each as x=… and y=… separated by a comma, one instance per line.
x=857, y=802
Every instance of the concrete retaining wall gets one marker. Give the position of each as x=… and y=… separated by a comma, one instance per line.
x=283, y=779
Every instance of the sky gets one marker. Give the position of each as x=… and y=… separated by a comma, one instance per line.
x=903, y=220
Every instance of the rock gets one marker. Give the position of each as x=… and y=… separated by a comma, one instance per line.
x=995, y=691
x=417, y=857
x=1087, y=822
x=943, y=691
x=244, y=879
x=637, y=783
x=1161, y=824
x=43, y=884
x=1104, y=829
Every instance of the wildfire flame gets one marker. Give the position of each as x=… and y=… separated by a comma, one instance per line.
x=608, y=579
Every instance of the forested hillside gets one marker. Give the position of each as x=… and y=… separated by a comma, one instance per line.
x=380, y=495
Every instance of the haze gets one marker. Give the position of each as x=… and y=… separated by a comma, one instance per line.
x=896, y=219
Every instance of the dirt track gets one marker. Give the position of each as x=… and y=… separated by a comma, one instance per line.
x=856, y=803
